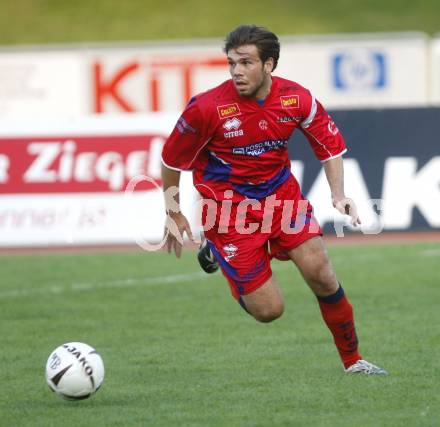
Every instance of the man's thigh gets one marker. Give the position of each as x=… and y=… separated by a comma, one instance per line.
x=245, y=263
x=244, y=260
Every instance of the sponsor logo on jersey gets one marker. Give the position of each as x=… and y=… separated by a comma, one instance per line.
x=290, y=101
x=332, y=128
x=288, y=119
x=232, y=124
x=263, y=124
x=183, y=126
x=259, y=148
x=229, y=110
x=233, y=133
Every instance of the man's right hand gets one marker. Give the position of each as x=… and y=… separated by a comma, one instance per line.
x=176, y=224
x=347, y=207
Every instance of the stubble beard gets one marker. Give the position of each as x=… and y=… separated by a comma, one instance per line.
x=253, y=91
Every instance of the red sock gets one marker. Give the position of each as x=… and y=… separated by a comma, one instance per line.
x=337, y=313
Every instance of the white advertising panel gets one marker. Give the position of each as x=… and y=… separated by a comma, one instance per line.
x=355, y=71
x=64, y=182
x=42, y=84
x=343, y=72
x=435, y=71
x=359, y=71
x=152, y=78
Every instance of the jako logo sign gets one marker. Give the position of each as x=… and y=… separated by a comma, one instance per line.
x=360, y=69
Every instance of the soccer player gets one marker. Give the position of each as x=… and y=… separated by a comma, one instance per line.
x=234, y=138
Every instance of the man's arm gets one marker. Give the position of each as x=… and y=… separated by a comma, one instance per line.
x=176, y=223
x=334, y=170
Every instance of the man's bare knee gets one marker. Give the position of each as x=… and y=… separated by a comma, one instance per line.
x=268, y=314
x=266, y=303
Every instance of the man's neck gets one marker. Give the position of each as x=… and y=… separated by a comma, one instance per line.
x=264, y=91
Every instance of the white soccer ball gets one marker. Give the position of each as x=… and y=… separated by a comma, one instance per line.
x=74, y=370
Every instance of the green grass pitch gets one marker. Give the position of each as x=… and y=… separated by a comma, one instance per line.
x=179, y=351
x=55, y=21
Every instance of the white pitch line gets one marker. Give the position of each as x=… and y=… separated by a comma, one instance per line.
x=112, y=284
x=430, y=252
x=119, y=283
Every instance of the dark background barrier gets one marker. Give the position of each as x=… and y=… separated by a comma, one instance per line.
x=373, y=136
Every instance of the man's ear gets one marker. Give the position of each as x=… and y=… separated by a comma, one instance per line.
x=268, y=65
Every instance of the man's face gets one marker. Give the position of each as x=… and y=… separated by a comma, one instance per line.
x=250, y=76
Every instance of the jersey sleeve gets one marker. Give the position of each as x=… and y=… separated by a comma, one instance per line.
x=322, y=133
x=187, y=139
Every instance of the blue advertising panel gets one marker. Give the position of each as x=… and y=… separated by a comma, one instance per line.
x=398, y=154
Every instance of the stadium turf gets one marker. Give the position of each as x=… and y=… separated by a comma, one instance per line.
x=179, y=351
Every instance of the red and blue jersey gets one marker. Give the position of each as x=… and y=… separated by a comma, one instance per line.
x=231, y=142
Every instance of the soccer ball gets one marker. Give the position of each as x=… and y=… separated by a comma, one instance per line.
x=74, y=371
